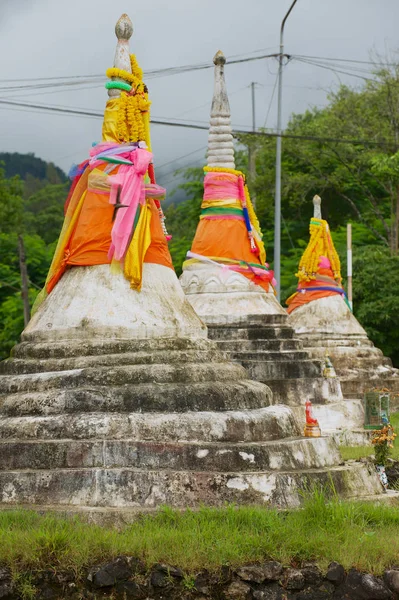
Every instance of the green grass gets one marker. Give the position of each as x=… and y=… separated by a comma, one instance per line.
x=355, y=534
x=356, y=452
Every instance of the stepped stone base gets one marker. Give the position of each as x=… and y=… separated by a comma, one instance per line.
x=253, y=329
x=117, y=400
x=126, y=487
x=328, y=324
x=141, y=423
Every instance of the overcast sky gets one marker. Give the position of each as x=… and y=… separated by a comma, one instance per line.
x=48, y=38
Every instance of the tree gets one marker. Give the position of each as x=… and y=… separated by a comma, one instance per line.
x=351, y=173
x=29, y=229
x=182, y=219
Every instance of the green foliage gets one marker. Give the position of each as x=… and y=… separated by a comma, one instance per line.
x=25, y=165
x=44, y=211
x=38, y=218
x=358, y=182
x=325, y=529
x=376, y=296
x=182, y=219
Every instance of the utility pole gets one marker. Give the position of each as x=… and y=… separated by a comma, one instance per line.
x=277, y=198
x=349, y=263
x=24, y=279
x=252, y=148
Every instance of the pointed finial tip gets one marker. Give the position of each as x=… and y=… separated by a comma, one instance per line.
x=124, y=28
x=219, y=58
x=316, y=199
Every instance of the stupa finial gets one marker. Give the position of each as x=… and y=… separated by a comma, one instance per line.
x=220, y=139
x=124, y=28
x=317, y=207
x=123, y=31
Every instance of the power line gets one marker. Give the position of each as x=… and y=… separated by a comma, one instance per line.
x=330, y=68
x=76, y=80
x=346, y=60
x=205, y=127
x=271, y=100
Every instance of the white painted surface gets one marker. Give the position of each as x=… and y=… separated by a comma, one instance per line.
x=93, y=302
x=221, y=296
x=220, y=139
x=326, y=317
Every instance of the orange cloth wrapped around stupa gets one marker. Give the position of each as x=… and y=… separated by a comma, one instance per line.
x=319, y=271
x=228, y=232
x=113, y=213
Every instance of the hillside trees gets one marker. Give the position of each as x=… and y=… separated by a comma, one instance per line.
x=29, y=228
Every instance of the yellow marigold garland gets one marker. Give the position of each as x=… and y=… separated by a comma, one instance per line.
x=251, y=211
x=320, y=244
x=133, y=111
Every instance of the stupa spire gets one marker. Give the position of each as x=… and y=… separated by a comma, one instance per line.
x=123, y=31
x=317, y=207
x=220, y=139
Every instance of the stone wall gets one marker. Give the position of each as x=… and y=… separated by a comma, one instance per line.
x=126, y=577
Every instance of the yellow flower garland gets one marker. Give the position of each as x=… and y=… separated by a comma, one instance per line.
x=320, y=244
x=133, y=111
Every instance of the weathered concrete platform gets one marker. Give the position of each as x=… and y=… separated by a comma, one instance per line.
x=328, y=325
x=123, y=423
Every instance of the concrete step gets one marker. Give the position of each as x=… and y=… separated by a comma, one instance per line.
x=357, y=387
x=265, y=345
x=146, y=397
x=274, y=357
x=18, y=366
x=331, y=341
x=269, y=332
x=338, y=419
x=294, y=392
x=95, y=347
x=123, y=375
x=356, y=361
x=126, y=487
x=266, y=370
x=262, y=425
x=279, y=455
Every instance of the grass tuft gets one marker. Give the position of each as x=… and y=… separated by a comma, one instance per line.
x=352, y=533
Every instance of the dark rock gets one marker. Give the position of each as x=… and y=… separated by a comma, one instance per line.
x=272, y=570
x=7, y=586
x=5, y=574
x=6, y=589
x=169, y=570
x=202, y=583
x=335, y=573
x=312, y=594
x=362, y=586
x=238, y=590
x=49, y=593
x=111, y=573
x=327, y=586
x=311, y=573
x=293, y=580
x=161, y=579
x=391, y=579
x=270, y=592
x=225, y=575
x=130, y=589
x=253, y=573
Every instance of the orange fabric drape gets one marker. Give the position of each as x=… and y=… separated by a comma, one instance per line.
x=301, y=299
x=90, y=238
x=226, y=239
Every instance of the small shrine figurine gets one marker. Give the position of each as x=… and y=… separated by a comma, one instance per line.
x=312, y=428
x=328, y=368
